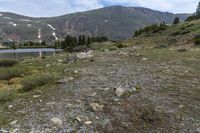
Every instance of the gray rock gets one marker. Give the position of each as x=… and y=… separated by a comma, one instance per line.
x=83, y=55
x=198, y=130
x=96, y=107
x=13, y=123
x=57, y=122
x=119, y=91
x=88, y=123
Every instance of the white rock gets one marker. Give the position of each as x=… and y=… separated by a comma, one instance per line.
x=88, y=122
x=144, y=59
x=57, y=122
x=96, y=107
x=120, y=91
x=83, y=55
x=13, y=123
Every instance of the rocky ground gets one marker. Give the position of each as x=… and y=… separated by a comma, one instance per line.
x=126, y=90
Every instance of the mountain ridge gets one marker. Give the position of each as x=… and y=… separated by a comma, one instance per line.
x=116, y=22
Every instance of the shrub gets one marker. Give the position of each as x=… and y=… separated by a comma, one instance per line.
x=197, y=39
x=9, y=74
x=6, y=95
x=175, y=33
x=7, y=62
x=182, y=50
x=162, y=46
x=185, y=32
x=36, y=81
x=119, y=45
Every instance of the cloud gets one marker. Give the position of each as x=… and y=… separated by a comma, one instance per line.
x=60, y=7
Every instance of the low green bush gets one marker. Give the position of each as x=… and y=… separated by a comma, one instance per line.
x=197, y=40
x=7, y=62
x=162, y=46
x=119, y=45
x=33, y=82
x=185, y=32
x=175, y=33
x=8, y=74
x=6, y=95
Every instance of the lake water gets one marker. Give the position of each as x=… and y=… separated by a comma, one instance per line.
x=21, y=53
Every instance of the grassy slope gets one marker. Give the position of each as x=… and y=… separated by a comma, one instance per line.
x=176, y=35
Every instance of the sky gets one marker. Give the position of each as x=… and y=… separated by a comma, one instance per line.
x=47, y=8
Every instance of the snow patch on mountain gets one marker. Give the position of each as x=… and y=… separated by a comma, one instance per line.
x=1, y=15
x=29, y=25
x=51, y=27
x=54, y=34
x=39, y=35
x=12, y=23
x=7, y=18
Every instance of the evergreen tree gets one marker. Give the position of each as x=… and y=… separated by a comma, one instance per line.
x=198, y=11
x=176, y=20
x=43, y=43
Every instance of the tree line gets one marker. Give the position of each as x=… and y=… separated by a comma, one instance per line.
x=70, y=42
x=154, y=28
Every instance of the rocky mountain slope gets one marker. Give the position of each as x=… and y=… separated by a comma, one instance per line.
x=116, y=22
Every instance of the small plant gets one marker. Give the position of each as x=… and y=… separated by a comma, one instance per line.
x=175, y=33
x=162, y=46
x=10, y=73
x=182, y=50
x=36, y=81
x=6, y=95
x=7, y=62
x=119, y=45
x=185, y=32
x=197, y=40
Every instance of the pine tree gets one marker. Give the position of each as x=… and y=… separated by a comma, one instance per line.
x=198, y=11
x=176, y=20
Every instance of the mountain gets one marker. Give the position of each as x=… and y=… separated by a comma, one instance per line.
x=116, y=22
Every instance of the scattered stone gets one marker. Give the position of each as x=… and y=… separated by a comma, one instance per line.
x=198, y=130
x=4, y=131
x=10, y=106
x=86, y=55
x=88, y=123
x=51, y=103
x=75, y=72
x=78, y=119
x=56, y=121
x=36, y=96
x=65, y=80
x=13, y=123
x=120, y=91
x=48, y=65
x=144, y=59
x=96, y=107
x=60, y=60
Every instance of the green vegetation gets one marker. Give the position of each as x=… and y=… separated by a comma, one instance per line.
x=155, y=28
x=6, y=95
x=196, y=15
x=176, y=20
x=197, y=39
x=7, y=62
x=10, y=73
x=71, y=43
x=33, y=82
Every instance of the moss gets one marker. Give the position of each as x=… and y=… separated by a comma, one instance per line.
x=8, y=74
x=33, y=82
x=7, y=62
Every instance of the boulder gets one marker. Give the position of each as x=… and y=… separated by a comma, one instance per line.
x=57, y=122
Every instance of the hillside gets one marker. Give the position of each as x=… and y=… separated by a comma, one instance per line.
x=181, y=35
x=116, y=22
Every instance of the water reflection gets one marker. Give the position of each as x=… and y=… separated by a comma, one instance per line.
x=21, y=53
